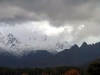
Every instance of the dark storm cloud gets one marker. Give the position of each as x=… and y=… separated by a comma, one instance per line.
x=55, y=11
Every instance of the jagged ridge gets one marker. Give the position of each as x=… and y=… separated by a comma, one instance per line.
x=16, y=47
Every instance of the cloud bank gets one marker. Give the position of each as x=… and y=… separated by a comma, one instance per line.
x=72, y=20
x=55, y=11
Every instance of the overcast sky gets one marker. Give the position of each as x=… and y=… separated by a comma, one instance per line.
x=74, y=21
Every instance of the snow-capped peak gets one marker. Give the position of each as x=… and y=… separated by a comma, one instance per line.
x=12, y=40
x=16, y=47
x=62, y=45
x=12, y=45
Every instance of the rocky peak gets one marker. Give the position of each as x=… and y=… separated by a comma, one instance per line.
x=62, y=45
x=10, y=36
x=11, y=39
x=84, y=44
x=75, y=46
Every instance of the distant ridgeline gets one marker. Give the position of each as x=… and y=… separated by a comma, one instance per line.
x=41, y=58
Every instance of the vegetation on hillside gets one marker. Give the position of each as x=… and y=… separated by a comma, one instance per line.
x=93, y=69
x=63, y=70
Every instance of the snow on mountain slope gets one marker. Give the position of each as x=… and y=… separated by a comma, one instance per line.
x=13, y=45
x=16, y=47
x=62, y=45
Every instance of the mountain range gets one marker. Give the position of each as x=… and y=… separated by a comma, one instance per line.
x=15, y=53
x=16, y=47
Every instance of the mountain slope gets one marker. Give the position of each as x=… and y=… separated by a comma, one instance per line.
x=79, y=55
x=42, y=58
x=74, y=56
x=18, y=48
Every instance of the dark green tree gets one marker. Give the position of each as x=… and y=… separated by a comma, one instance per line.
x=94, y=68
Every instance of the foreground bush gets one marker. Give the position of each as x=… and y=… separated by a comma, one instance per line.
x=72, y=72
x=94, y=68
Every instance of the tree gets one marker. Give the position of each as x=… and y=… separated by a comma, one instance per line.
x=24, y=74
x=43, y=73
x=72, y=72
x=94, y=68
